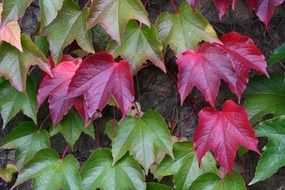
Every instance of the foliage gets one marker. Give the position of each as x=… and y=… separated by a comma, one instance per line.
x=79, y=84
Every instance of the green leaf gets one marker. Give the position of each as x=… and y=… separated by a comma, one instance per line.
x=7, y=172
x=98, y=172
x=27, y=139
x=157, y=186
x=42, y=44
x=69, y=25
x=278, y=55
x=101, y=38
x=114, y=15
x=71, y=128
x=211, y=181
x=265, y=96
x=50, y=172
x=49, y=10
x=273, y=157
x=184, y=30
x=12, y=102
x=110, y=129
x=14, y=9
x=14, y=65
x=184, y=167
x=143, y=137
x=140, y=43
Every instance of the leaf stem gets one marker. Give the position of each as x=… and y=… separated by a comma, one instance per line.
x=137, y=110
x=146, y=3
x=65, y=151
x=174, y=6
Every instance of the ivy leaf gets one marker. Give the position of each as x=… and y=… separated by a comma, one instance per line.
x=212, y=181
x=184, y=30
x=114, y=15
x=157, y=186
x=273, y=157
x=278, y=55
x=265, y=9
x=144, y=138
x=140, y=43
x=184, y=167
x=56, y=89
x=13, y=10
x=12, y=102
x=71, y=128
x=69, y=25
x=49, y=10
x=7, y=172
x=265, y=96
x=50, y=172
x=222, y=132
x=10, y=32
x=98, y=78
x=204, y=69
x=27, y=139
x=98, y=172
x=244, y=56
x=14, y=65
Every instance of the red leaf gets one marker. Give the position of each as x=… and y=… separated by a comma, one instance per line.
x=98, y=78
x=222, y=132
x=211, y=63
x=222, y=6
x=265, y=9
x=244, y=56
x=56, y=89
x=204, y=69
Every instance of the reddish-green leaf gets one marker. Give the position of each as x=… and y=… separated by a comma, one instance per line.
x=222, y=132
x=14, y=65
x=10, y=32
x=140, y=44
x=114, y=15
x=69, y=25
x=98, y=78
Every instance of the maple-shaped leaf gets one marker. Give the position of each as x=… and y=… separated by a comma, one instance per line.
x=273, y=157
x=184, y=30
x=114, y=15
x=265, y=9
x=184, y=167
x=12, y=101
x=244, y=56
x=98, y=172
x=144, y=138
x=204, y=69
x=140, y=43
x=69, y=25
x=71, y=128
x=99, y=78
x=212, y=181
x=49, y=172
x=265, y=96
x=14, y=65
x=222, y=132
x=14, y=9
x=56, y=89
x=49, y=10
x=10, y=32
x=27, y=139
